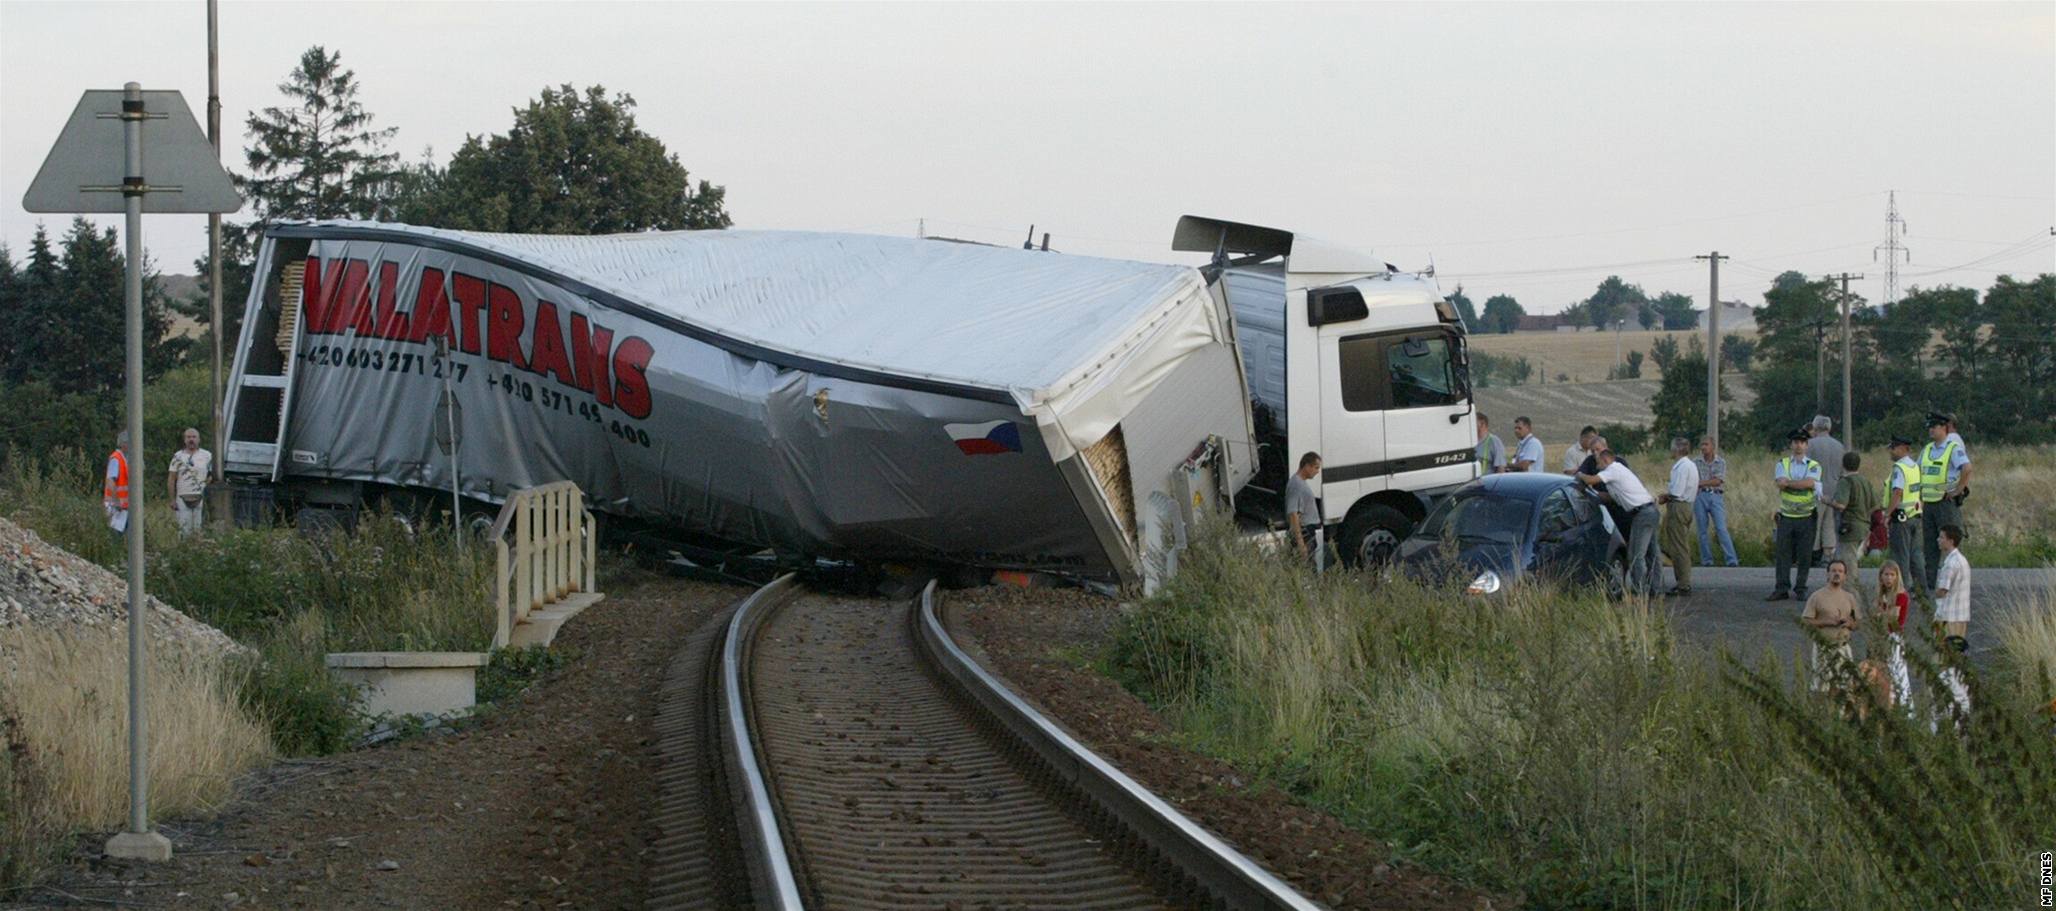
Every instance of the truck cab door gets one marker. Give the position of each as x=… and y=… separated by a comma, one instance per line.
x=1352, y=400
x=1427, y=430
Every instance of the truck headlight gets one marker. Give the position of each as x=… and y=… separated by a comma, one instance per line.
x=1486, y=583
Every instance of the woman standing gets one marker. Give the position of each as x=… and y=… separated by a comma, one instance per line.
x=1891, y=605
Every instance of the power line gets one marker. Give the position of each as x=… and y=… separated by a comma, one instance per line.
x=2033, y=243
x=1633, y=228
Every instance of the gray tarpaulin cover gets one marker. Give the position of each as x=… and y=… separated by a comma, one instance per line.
x=832, y=394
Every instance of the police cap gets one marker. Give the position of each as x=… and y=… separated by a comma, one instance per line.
x=1940, y=418
x=1898, y=440
x=1799, y=434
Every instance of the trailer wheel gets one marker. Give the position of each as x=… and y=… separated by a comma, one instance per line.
x=1371, y=535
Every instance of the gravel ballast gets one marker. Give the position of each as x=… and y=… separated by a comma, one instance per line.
x=44, y=585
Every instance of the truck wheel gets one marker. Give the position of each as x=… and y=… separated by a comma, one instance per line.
x=318, y=523
x=1371, y=535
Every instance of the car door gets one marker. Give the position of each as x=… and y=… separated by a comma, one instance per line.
x=1560, y=539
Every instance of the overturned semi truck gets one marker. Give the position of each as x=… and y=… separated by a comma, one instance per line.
x=822, y=395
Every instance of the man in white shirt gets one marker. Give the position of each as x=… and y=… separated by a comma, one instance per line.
x=1952, y=585
x=1677, y=500
x=1527, y=453
x=1626, y=491
x=1580, y=450
x=187, y=484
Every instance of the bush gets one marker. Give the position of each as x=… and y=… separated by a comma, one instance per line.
x=1550, y=743
x=512, y=670
x=1625, y=438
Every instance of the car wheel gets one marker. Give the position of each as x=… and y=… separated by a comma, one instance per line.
x=1371, y=535
x=1617, y=578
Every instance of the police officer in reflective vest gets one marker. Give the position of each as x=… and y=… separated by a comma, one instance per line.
x=1944, y=482
x=1902, y=514
x=1798, y=480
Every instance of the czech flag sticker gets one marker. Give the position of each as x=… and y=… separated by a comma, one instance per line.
x=989, y=438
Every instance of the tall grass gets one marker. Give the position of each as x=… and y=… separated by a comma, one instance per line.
x=293, y=597
x=1545, y=742
x=64, y=729
x=2009, y=520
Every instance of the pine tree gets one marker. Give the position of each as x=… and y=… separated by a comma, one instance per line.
x=69, y=315
x=320, y=156
x=10, y=308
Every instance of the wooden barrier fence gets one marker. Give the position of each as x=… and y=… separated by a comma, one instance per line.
x=543, y=572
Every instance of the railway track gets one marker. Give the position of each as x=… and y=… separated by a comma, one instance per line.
x=828, y=752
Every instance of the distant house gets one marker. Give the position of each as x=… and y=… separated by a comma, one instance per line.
x=1735, y=316
x=1544, y=322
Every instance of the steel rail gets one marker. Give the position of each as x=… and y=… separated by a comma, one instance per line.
x=773, y=883
x=1230, y=877
x=1224, y=875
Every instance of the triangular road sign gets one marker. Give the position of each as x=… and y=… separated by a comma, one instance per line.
x=89, y=154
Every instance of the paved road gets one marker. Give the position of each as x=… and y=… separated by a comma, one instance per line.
x=1726, y=607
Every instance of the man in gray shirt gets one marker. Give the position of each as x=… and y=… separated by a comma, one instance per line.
x=1826, y=450
x=1710, y=510
x=1303, y=511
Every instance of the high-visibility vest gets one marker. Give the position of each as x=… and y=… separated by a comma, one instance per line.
x=1798, y=504
x=1909, y=502
x=115, y=489
x=1934, y=470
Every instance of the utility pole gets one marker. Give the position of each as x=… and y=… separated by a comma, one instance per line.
x=1713, y=346
x=214, y=250
x=1820, y=366
x=1892, y=248
x=1848, y=427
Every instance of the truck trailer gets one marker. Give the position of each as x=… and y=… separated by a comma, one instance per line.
x=853, y=396
x=819, y=395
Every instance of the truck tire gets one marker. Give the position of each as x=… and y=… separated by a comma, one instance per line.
x=1371, y=535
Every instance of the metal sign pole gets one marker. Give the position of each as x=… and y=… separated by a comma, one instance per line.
x=99, y=154
x=138, y=841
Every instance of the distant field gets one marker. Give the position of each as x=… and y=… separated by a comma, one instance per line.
x=1585, y=356
x=1559, y=409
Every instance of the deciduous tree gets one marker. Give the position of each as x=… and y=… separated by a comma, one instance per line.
x=1502, y=314
x=573, y=163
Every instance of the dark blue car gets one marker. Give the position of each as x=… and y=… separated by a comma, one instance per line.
x=1502, y=528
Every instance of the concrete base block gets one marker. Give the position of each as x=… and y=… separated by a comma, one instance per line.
x=410, y=683
x=148, y=846
x=540, y=626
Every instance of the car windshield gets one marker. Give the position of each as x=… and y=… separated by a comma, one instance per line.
x=1479, y=516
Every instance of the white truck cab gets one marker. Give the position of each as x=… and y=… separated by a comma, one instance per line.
x=1348, y=357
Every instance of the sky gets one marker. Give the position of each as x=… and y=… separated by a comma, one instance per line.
x=1528, y=149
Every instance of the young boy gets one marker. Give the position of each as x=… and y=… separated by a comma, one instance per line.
x=1952, y=585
